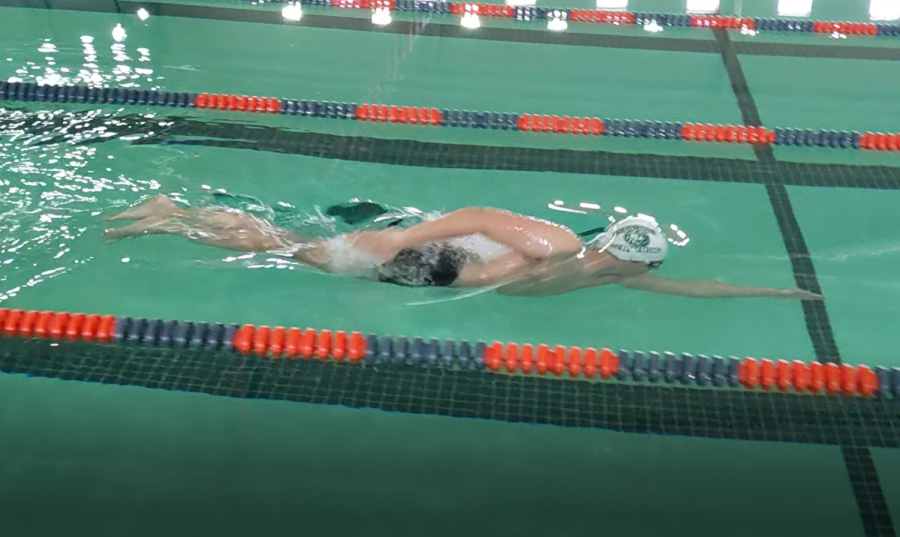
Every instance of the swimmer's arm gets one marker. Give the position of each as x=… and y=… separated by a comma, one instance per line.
x=530, y=237
x=526, y=287
x=456, y=224
x=711, y=289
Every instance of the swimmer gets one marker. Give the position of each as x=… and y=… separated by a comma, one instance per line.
x=475, y=247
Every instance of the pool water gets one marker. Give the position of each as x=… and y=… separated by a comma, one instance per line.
x=63, y=167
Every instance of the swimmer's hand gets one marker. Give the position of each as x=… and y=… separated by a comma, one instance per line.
x=798, y=294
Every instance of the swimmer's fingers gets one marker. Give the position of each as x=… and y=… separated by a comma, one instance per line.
x=800, y=294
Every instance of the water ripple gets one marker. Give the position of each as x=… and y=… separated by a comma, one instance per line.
x=58, y=171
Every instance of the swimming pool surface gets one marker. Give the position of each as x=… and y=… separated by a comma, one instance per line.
x=128, y=460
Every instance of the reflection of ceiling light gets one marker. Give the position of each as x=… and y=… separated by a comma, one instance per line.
x=612, y=4
x=292, y=12
x=565, y=209
x=676, y=236
x=702, y=6
x=381, y=16
x=557, y=21
x=118, y=33
x=794, y=8
x=653, y=27
x=884, y=10
x=470, y=17
x=470, y=20
x=143, y=14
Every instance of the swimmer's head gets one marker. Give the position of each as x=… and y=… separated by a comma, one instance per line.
x=636, y=238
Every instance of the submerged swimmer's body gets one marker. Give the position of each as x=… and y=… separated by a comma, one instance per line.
x=475, y=247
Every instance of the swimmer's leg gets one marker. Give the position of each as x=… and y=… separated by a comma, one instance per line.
x=231, y=230
x=156, y=206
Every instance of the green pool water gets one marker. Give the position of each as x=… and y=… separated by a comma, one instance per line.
x=162, y=460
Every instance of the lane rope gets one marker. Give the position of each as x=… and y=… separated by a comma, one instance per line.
x=533, y=13
x=280, y=343
x=434, y=117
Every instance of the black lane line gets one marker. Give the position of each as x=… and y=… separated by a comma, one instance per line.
x=453, y=30
x=734, y=414
x=749, y=112
x=236, y=135
x=815, y=313
x=870, y=500
x=876, y=515
x=817, y=51
x=447, y=155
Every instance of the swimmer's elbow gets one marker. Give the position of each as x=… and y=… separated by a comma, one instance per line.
x=653, y=284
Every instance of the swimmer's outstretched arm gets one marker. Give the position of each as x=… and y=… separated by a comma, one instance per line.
x=711, y=289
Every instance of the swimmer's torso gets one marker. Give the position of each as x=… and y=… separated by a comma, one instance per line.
x=434, y=264
x=471, y=261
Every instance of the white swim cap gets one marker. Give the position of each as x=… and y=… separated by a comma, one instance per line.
x=636, y=238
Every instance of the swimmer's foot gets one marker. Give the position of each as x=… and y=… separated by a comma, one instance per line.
x=356, y=212
x=159, y=205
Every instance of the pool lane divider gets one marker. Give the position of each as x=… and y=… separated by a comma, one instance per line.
x=533, y=13
x=433, y=117
x=512, y=358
